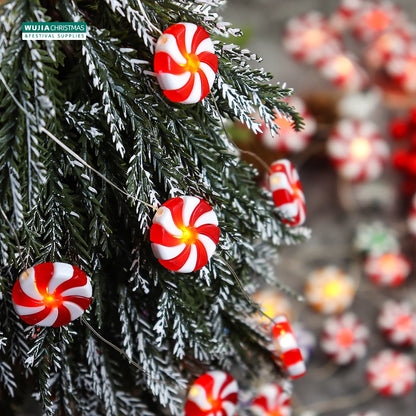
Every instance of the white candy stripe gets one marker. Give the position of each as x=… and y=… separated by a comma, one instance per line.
x=28, y=310
x=286, y=343
x=164, y=218
x=209, y=245
x=296, y=369
x=190, y=264
x=50, y=319
x=209, y=73
x=73, y=309
x=190, y=29
x=167, y=253
x=195, y=94
x=279, y=319
x=229, y=389
x=167, y=43
x=199, y=397
x=205, y=46
x=208, y=217
x=62, y=272
x=170, y=81
x=219, y=380
x=189, y=205
x=229, y=408
x=290, y=210
x=279, y=180
x=28, y=285
x=84, y=291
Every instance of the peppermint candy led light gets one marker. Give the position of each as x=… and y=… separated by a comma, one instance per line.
x=389, y=269
x=397, y=321
x=345, y=14
x=288, y=139
x=329, y=290
x=402, y=69
x=287, y=347
x=309, y=38
x=51, y=294
x=213, y=394
x=185, y=63
x=271, y=400
x=357, y=150
x=391, y=373
x=411, y=219
x=184, y=234
x=344, y=339
x=287, y=192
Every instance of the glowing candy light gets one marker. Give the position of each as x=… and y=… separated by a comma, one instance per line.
x=287, y=347
x=185, y=63
x=271, y=400
x=389, y=269
x=287, y=192
x=391, y=373
x=329, y=290
x=357, y=150
x=213, y=394
x=344, y=339
x=402, y=68
x=51, y=294
x=397, y=321
x=272, y=303
x=184, y=234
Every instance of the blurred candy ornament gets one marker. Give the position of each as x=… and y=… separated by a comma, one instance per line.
x=345, y=14
x=392, y=43
x=391, y=373
x=359, y=105
x=271, y=400
x=213, y=394
x=51, y=294
x=411, y=219
x=374, y=18
x=287, y=347
x=344, y=339
x=272, y=303
x=402, y=69
x=329, y=290
x=288, y=139
x=185, y=63
x=375, y=239
x=367, y=413
x=184, y=234
x=343, y=71
x=309, y=38
x=357, y=150
x=306, y=340
x=397, y=321
x=389, y=269
x=287, y=192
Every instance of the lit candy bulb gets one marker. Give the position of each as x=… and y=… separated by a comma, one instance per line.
x=287, y=192
x=184, y=234
x=213, y=394
x=271, y=400
x=391, y=373
x=288, y=139
x=357, y=150
x=185, y=63
x=397, y=321
x=402, y=68
x=411, y=219
x=329, y=290
x=51, y=294
x=309, y=38
x=345, y=14
x=344, y=339
x=344, y=72
x=288, y=348
x=389, y=269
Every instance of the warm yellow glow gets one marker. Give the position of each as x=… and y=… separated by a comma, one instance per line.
x=360, y=148
x=393, y=372
x=52, y=300
x=377, y=20
x=404, y=323
x=189, y=235
x=333, y=288
x=410, y=69
x=315, y=37
x=389, y=263
x=343, y=66
x=162, y=40
x=275, y=180
x=194, y=391
x=192, y=63
x=284, y=124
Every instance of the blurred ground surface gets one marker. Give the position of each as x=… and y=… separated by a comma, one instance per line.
x=332, y=226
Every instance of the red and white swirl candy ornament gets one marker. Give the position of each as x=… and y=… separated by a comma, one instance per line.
x=213, y=394
x=287, y=192
x=184, y=234
x=271, y=400
x=185, y=63
x=288, y=348
x=51, y=294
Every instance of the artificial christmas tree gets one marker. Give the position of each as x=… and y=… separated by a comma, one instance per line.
x=90, y=147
